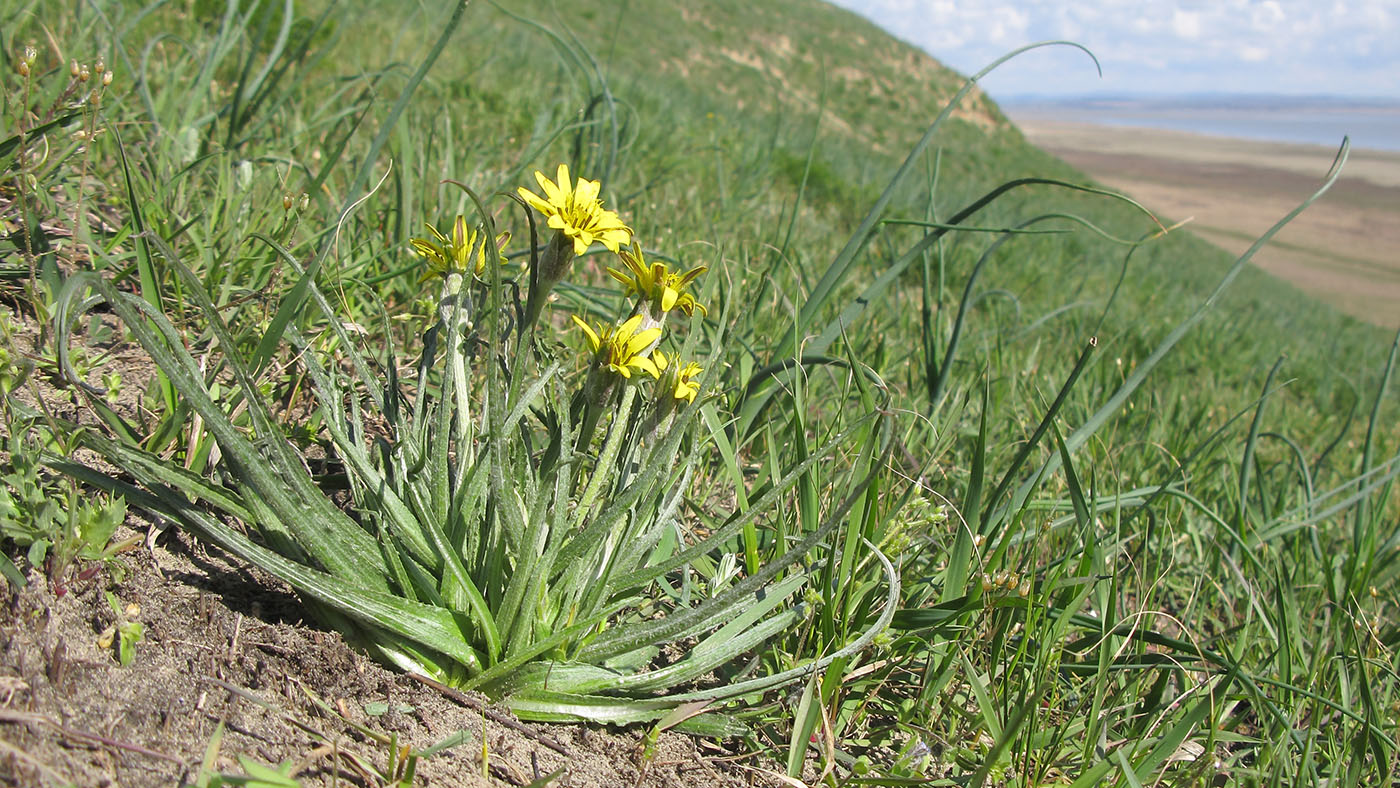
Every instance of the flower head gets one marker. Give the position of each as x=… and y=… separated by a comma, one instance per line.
x=622, y=348
x=656, y=284
x=576, y=212
x=680, y=381
x=465, y=249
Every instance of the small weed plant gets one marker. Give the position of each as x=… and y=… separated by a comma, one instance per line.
x=518, y=518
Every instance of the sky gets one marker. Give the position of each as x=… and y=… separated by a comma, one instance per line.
x=1159, y=47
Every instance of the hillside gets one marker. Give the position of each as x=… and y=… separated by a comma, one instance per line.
x=1025, y=494
x=723, y=101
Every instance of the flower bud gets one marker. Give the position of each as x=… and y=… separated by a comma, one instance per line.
x=74, y=69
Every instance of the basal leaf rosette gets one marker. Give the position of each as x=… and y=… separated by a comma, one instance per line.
x=482, y=536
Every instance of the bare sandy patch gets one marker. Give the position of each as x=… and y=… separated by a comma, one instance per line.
x=1345, y=249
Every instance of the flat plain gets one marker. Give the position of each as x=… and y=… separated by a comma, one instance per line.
x=1344, y=250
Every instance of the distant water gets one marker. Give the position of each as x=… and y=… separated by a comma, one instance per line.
x=1377, y=128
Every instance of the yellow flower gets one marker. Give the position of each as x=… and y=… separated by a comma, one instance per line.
x=621, y=348
x=447, y=256
x=575, y=211
x=679, y=380
x=656, y=284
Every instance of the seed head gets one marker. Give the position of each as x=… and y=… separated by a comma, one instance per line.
x=25, y=62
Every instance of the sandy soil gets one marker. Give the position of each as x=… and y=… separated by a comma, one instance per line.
x=1345, y=249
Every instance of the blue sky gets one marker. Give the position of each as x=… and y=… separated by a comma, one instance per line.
x=1327, y=47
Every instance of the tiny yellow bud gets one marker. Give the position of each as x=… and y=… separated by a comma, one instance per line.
x=74, y=69
x=84, y=75
x=99, y=66
x=106, y=78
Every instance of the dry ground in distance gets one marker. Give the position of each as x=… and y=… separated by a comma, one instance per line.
x=1344, y=250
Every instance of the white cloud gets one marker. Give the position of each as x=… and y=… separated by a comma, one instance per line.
x=1266, y=16
x=1253, y=54
x=1186, y=24
x=1294, y=46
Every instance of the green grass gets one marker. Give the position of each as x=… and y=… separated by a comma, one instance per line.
x=1192, y=584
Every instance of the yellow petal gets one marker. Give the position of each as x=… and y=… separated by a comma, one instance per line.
x=690, y=276
x=642, y=340
x=534, y=200
x=668, y=299
x=587, y=191
x=593, y=340
x=459, y=232
x=645, y=364
x=551, y=190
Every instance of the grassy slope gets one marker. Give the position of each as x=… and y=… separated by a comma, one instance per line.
x=718, y=107
x=725, y=98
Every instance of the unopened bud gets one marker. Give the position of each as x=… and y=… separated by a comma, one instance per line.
x=99, y=66
x=106, y=78
x=22, y=68
x=74, y=69
x=287, y=201
x=84, y=75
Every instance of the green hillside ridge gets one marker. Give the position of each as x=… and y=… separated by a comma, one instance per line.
x=1191, y=585
x=719, y=84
